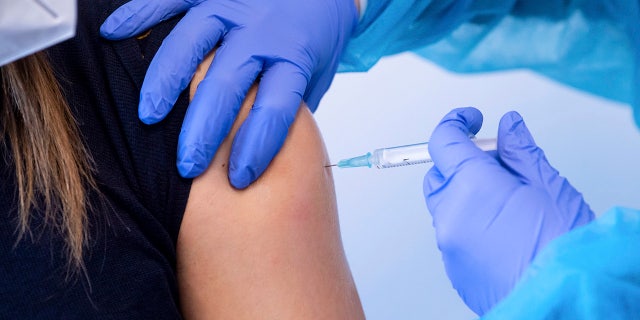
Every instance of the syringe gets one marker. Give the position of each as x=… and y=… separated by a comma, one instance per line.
x=403, y=155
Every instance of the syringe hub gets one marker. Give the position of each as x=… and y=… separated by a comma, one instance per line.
x=361, y=161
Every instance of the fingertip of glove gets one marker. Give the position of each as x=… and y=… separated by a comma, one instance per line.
x=511, y=121
x=239, y=183
x=514, y=136
x=240, y=179
x=470, y=117
x=116, y=26
x=513, y=124
x=466, y=113
x=146, y=119
x=189, y=169
x=109, y=28
x=106, y=30
x=192, y=161
x=241, y=172
x=150, y=113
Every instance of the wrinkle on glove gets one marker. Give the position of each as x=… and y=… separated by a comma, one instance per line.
x=493, y=212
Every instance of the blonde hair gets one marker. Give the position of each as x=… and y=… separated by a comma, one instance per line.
x=52, y=166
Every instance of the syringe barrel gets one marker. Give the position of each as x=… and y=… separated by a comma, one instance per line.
x=400, y=156
x=415, y=154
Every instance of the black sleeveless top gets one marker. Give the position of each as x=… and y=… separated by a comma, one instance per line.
x=131, y=257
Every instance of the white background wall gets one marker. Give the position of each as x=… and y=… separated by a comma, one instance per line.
x=386, y=227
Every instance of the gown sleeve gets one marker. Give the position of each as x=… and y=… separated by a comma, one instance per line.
x=586, y=44
x=592, y=272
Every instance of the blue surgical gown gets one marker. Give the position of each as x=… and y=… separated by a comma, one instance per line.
x=592, y=272
x=592, y=45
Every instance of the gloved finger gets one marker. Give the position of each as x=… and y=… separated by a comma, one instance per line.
x=139, y=15
x=318, y=86
x=213, y=110
x=521, y=155
x=519, y=152
x=450, y=145
x=264, y=131
x=175, y=63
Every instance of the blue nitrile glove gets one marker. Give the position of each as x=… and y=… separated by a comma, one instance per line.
x=292, y=46
x=493, y=212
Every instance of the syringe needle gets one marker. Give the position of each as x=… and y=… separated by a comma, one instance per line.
x=330, y=165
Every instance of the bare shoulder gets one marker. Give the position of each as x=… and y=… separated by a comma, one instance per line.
x=273, y=250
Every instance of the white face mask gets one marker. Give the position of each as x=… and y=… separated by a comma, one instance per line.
x=28, y=26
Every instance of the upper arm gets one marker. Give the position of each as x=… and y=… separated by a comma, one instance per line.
x=273, y=250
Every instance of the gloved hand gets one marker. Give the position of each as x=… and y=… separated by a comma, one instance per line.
x=493, y=212
x=294, y=46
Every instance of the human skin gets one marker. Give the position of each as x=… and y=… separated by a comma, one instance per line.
x=273, y=250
